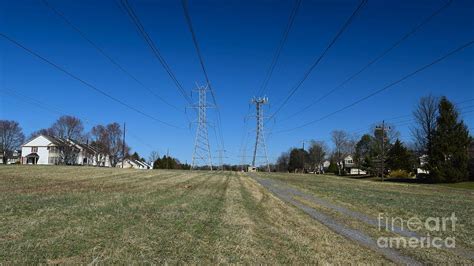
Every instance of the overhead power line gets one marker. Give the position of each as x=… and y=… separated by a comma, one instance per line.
x=405, y=119
x=156, y=52
x=316, y=62
x=106, y=55
x=56, y=110
x=465, y=45
x=276, y=56
x=184, y=3
x=60, y=68
x=373, y=61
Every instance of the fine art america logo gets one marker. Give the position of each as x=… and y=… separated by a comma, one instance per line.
x=414, y=228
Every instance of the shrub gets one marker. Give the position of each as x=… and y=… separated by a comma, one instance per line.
x=332, y=168
x=400, y=173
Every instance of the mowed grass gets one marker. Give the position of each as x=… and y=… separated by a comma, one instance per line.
x=55, y=214
x=403, y=200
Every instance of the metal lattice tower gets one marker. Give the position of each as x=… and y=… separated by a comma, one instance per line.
x=221, y=153
x=260, y=149
x=202, y=149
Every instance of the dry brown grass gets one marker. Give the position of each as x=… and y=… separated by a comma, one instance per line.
x=98, y=215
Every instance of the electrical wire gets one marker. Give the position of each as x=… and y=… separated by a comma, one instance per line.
x=373, y=61
x=58, y=67
x=463, y=46
x=316, y=62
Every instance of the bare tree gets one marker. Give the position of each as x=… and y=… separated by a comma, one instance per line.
x=43, y=131
x=425, y=116
x=108, y=140
x=154, y=155
x=283, y=162
x=340, y=139
x=68, y=127
x=99, y=143
x=11, y=138
x=317, y=154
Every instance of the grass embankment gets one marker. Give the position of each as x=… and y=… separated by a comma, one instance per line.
x=404, y=200
x=84, y=215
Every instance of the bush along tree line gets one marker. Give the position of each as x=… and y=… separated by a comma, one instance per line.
x=168, y=162
x=442, y=149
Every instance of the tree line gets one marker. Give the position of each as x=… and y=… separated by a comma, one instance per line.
x=106, y=139
x=441, y=150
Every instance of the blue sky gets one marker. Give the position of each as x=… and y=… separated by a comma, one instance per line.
x=238, y=40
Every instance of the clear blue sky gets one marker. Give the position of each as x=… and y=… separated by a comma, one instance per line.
x=238, y=39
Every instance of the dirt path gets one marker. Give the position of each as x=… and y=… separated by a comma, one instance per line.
x=286, y=194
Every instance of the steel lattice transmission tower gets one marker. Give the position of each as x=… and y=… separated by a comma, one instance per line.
x=260, y=149
x=202, y=149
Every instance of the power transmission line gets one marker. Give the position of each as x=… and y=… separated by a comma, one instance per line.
x=405, y=117
x=308, y=72
x=59, y=111
x=85, y=82
x=373, y=61
x=156, y=52
x=465, y=45
x=202, y=149
x=106, y=55
x=184, y=3
x=260, y=144
x=276, y=56
x=269, y=72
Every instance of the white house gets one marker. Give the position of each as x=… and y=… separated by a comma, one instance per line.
x=49, y=150
x=135, y=164
x=349, y=167
x=14, y=158
x=423, y=162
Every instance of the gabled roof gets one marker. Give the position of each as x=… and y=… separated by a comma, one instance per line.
x=55, y=141
x=142, y=164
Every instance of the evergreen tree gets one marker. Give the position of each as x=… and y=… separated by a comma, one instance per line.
x=364, y=152
x=449, y=160
x=399, y=157
x=333, y=168
x=135, y=156
x=297, y=159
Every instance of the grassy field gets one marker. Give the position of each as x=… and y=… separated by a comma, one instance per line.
x=57, y=214
x=99, y=215
x=401, y=200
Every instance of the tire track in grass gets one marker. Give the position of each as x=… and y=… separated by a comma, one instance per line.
x=352, y=234
x=460, y=251
x=288, y=236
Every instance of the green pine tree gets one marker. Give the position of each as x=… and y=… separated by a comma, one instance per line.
x=449, y=160
x=399, y=157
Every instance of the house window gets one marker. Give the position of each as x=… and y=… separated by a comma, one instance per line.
x=34, y=149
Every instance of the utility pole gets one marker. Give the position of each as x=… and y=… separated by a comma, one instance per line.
x=202, y=149
x=302, y=155
x=123, y=144
x=260, y=133
x=168, y=158
x=383, y=128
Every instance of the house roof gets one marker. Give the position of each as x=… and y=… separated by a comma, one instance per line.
x=33, y=154
x=137, y=162
x=55, y=141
